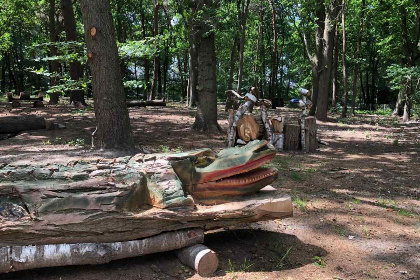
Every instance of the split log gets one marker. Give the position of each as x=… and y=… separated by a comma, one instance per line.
x=200, y=258
x=15, y=258
x=291, y=137
x=248, y=129
x=15, y=124
x=311, y=143
x=144, y=103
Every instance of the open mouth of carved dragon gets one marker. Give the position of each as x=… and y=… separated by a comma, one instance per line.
x=239, y=179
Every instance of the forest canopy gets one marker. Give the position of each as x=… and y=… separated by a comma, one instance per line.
x=274, y=45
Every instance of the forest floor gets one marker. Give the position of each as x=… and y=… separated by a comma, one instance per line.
x=356, y=200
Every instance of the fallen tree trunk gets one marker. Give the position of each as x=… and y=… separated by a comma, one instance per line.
x=15, y=258
x=144, y=103
x=109, y=201
x=15, y=124
x=200, y=258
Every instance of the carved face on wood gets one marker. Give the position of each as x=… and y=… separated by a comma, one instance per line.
x=233, y=171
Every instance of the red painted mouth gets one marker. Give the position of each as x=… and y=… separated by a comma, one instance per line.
x=237, y=170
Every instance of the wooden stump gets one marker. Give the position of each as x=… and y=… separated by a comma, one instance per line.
x=203, y=260
x=15, y=104
x=38, y=104
x=9, y=96
x=77, y=96
x=54, y=98
x=311, y=143
x=291, y=137
x=248, y=129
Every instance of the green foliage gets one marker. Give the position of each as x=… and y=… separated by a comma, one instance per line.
x=319, y=262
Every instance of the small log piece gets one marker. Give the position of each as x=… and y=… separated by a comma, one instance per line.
x=15, y=124
x=292, y=137
x=248, y=129
x=278, y=124
x=14, y=258
x=231, y=118
x=200, y=258
x=311, y=143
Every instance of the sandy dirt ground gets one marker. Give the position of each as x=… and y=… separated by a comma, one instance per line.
x=356, y=200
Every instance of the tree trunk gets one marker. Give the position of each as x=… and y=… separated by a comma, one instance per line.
x=244, y=15
x=156, y=65
x=3, y=75
x=193, y=70
x=53, y=39
x=113, y=123
x=206, y=116
x=273, y=78
x=146, y=88
x=356, y=58
x=76, y=71
x=343, y=26
x=335, y=84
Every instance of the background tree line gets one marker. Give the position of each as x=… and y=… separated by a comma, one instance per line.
x=358, y=54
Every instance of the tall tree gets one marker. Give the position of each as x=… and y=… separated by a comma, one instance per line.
x=343, y=27
x=156, y=66
x=204, y=37
x=76, y=70
x=273, y=78
x=243, y=15
x=113, y=123
x=356, y=58
x=321, y=60
x=335, y=84
x=53, y=39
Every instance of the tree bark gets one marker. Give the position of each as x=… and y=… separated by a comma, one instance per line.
x=76, y=71
x=53, y=39
x=335, y=84
x=243, y=17
x=343, y=26
x=206, y=115
x=146, y=61
x=156, y=65
x=273, y=78
x=113, y=123
x=356, y=58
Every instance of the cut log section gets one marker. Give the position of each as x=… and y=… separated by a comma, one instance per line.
x=248, y=129
x=311, y=143
x=142, y=103
x=54, y=98
x=15, y=258
x=200, y=258
x=291, y=137
x=24, y=96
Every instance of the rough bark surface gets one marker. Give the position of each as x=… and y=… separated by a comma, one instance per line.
x=291, y=137
x=113, y=124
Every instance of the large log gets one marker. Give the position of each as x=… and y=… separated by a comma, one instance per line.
x=143, y=103
x=109, y=201
x=15, y=124
x=292, y=137
x=311, y=143
x=15, y=258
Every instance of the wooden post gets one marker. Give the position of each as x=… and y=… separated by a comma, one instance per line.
x=54, y=98
x=24, y=96
x=291, y=137
x=311, y=144
x=9, y=96
x=264, y=117
x=203, y=260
